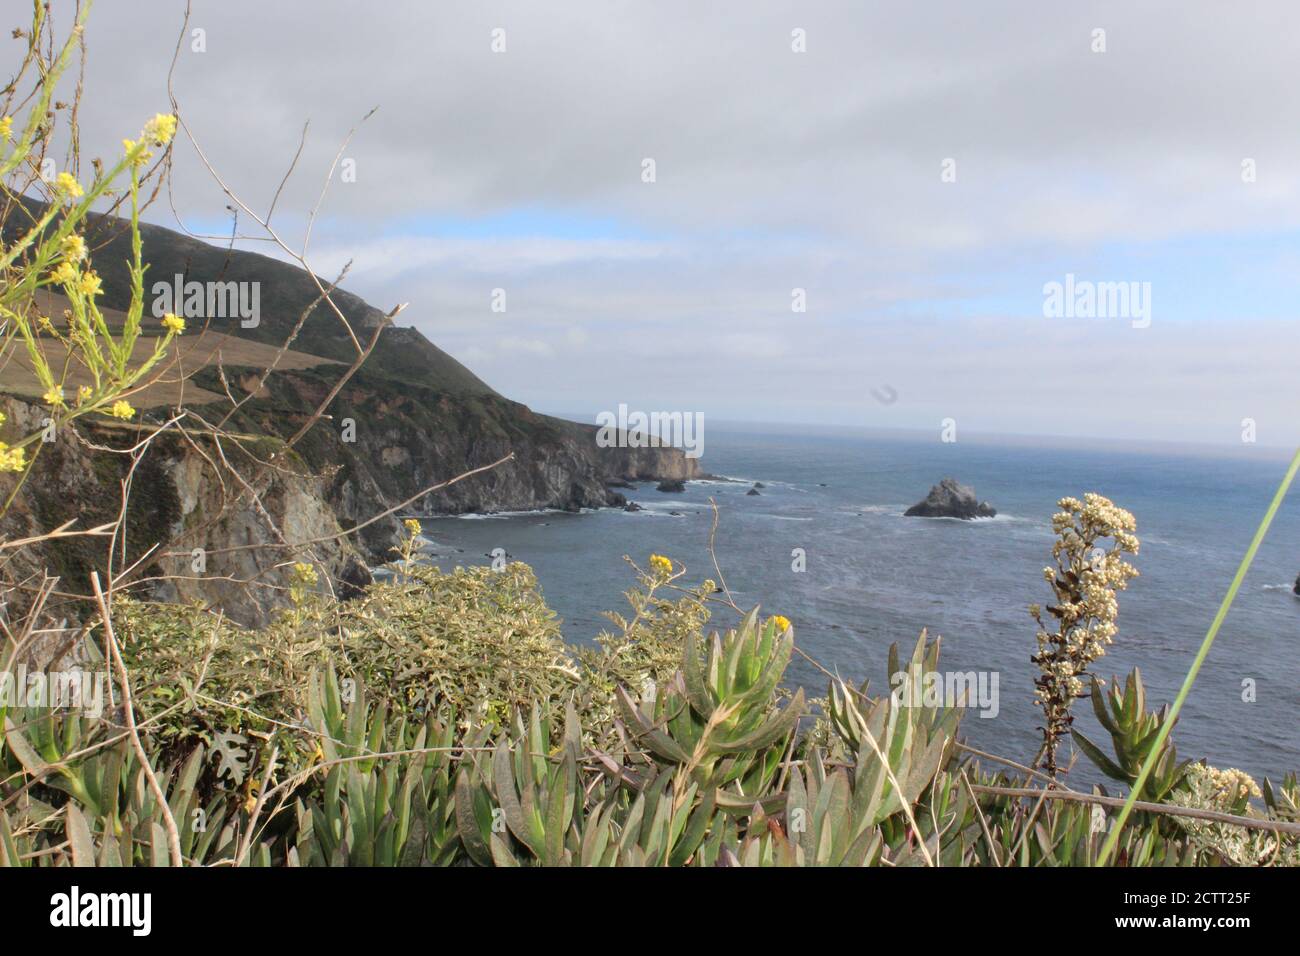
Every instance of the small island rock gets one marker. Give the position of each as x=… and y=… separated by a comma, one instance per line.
x=949, y=499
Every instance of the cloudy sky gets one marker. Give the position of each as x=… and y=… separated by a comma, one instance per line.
x=1172, y=158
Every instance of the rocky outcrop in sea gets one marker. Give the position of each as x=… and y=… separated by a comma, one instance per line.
x=951, y=499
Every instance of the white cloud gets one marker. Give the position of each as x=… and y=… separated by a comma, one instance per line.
x=775, y=170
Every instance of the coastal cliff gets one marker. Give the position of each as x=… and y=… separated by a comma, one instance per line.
x=410, y=418
x=178, y=503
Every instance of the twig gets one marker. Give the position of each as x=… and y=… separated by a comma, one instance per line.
x=173, y=835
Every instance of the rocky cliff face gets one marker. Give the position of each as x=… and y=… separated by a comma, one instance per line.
x=178, y=503
x=387, y=443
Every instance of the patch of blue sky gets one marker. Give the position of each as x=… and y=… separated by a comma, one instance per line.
x=1202, y=278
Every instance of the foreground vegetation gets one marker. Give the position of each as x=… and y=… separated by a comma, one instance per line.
x=439, y=719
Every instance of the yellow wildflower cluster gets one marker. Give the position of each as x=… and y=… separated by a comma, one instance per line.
x=142, y=157
x=66, y=184
x=54, y=396
x=122, y=409
x=6, y=127
x=12, y=459
x=412, y=527
x=781, y=621
x=160, y=129
x=73, y=248
x=661, y=565
x=66, y=274
x=173, y=323
x=304, y=574
x=91, y=284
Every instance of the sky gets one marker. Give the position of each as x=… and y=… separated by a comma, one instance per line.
x=921, y=171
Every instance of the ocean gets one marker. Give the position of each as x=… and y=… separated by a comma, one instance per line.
x=874, y=577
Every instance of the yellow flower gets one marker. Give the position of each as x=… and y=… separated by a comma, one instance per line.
x=660, y=564
x=11, y=459
x=160, y=129
x=412, y=526
x=74, y=248
x=91, y=284
x=173, y=323
x=122, y=410
x=3, y=418
x=84, y=393
x=305, y=574
x=54, y=396
x=68, y=185
x=140, y=158
x=782, y=623
x=6, y=127
x=67, y=274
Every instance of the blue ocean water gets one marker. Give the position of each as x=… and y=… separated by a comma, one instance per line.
x=874, y=577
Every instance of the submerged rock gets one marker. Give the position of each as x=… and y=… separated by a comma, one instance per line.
x=950, y=499
x=753, y=491
x=671, y=484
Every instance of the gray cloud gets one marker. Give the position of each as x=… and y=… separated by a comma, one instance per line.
x=775, y=170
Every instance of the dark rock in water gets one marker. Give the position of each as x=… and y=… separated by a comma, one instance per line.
x=753, y=491
x=619, y=483
x=759, y=484
x=354, y=579
x=822, y=484
x=676, y=514
x=948, y=499
x=1296, y=588
x=671, y=484
x=632, y=506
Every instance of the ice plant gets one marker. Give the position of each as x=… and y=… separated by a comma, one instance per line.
x=1084, y=581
